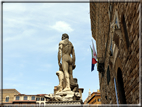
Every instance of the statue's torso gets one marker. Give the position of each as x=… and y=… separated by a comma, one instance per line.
x=66, y=50
x=67, y=47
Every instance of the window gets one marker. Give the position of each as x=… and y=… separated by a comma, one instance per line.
x=7, y=99
x=17, y=97
x=42, y=99
x=120, y=87
x=125, y=31
x=25, y=97
x=37, y=99
x=99, y=100
x=108, y=75
x=33, y=97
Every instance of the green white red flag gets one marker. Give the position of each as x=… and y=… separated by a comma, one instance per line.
x=94, y=57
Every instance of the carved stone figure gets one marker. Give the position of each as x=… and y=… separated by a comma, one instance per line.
x=61, y=80
x=67, y=90
x=68, y=64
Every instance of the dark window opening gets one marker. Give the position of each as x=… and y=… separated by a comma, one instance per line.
x=7, y=99
x=17, y=97
x=37, y=99
x=99, y=100
x=106, y=97
x=42, y=99
x=125, y=31
x=111, y=51
x=121, y=92
x=33, y=97
x=108, y=75
x=25, y=97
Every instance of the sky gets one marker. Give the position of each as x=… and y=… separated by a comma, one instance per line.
x=31, y=35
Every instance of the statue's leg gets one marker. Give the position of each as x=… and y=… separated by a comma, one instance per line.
x=70, y=74
x=65, y=69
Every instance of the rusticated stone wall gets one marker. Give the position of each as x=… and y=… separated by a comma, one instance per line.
x=117, y=24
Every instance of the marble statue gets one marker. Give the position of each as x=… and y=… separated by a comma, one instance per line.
x=66, y=49
x=67, y=90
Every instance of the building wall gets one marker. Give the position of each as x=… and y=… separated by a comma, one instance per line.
x=10, y=93
x=94, y=98
x=41, y=102
x=22, y=101
x=124, y=62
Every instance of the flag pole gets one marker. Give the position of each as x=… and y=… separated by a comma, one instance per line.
x=91, y=58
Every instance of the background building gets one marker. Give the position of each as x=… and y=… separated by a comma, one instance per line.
x=8, y=95
x=115, y=27
x=24, y=99
x=13, y=97
x=94, y=98
x=40, y=99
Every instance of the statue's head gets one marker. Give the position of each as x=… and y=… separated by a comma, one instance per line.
x=64, y=36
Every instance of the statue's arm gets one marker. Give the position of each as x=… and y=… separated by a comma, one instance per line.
x=60, y=53
x=73, y=57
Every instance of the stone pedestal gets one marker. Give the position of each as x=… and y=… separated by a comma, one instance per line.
x=79, y=102
x=64, y=96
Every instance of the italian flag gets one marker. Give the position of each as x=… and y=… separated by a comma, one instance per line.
x=94, y=57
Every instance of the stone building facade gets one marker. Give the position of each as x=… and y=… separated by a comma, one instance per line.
x=115, y=27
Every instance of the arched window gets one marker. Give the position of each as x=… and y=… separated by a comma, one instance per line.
x=108, y=75
x=121, y=92
x=7, y=99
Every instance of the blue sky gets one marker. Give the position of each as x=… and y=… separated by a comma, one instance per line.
x=31, y=34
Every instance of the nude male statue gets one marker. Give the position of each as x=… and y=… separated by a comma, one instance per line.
x=68, y=64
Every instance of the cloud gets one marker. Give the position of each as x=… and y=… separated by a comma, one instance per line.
x=62, y=26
